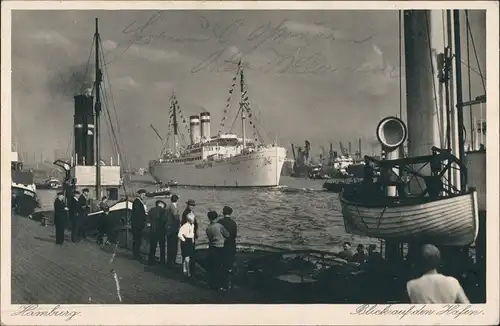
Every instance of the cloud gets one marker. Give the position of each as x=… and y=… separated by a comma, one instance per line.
x=50, y=37
x=109, y=45
x=158, y=55
x=127, y=81
x=163, y=86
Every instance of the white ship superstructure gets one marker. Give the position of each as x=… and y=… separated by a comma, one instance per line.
x=225, y=160
x=222, y=162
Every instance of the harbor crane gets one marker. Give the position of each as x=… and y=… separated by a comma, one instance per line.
x=156, y=132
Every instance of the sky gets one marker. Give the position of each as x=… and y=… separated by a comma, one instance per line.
x=322, y=76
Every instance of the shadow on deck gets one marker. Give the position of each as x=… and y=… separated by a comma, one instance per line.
x=46, y=273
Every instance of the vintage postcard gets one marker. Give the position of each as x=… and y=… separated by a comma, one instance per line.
x=250, y=162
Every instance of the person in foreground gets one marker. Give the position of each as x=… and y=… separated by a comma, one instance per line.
x=433, y=287
x=75, y=213
x=216, y=234
x=186, y=235
x=138, y=221
x=229, y=243
x=60, y=215
x=157, y=235
x=173, y=220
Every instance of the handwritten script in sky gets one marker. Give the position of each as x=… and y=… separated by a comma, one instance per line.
x=286, y=46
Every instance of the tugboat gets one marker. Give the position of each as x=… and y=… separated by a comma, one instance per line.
x=24, y=197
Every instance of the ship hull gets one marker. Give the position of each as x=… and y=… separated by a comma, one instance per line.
x=24, y=200
x=261, y=168
x=449, y=221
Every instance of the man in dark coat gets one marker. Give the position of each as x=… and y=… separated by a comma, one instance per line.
x=173, y=225
x=138, y=221
x=156, y=216
x=84, y=202
x=230, y=242
x=75, y=211
x=60, y=215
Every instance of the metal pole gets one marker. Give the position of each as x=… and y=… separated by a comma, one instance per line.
x=97, y=111
x=460, y=114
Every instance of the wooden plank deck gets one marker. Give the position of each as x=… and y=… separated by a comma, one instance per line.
x=46, y=273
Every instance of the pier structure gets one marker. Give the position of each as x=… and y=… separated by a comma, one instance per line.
x=45, y=273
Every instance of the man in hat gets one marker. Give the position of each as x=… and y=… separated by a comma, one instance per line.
x=156, y=217
x=190, y=204
x=230, y=242
x=138, y=221
x=75, y=212
x=84, y=202
x=173, y=225
x=60, y=215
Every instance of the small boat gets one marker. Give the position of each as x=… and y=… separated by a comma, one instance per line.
x=304, y=276
x=117, y=215
x=338, y=186
x=50, y=183
x=160, y=192
x=451, y=220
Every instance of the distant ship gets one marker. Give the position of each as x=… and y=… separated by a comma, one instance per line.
x=225, y=160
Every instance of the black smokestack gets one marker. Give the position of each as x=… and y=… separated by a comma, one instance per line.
x=84, y=129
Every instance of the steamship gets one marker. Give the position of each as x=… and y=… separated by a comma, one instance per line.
x=225, y=160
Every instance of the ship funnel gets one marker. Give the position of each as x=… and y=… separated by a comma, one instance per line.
x=84, y=129
x=194, y=126
x=391, y=133
x=205, y=126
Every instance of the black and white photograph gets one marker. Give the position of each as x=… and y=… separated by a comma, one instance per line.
x=237, y=153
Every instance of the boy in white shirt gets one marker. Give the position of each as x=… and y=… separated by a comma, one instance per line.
x=186, y=235
x=433, y=287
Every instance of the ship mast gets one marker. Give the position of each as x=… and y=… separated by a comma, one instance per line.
x=97, y=109
x=242, y=104
x=174, y=113
x=462, y=182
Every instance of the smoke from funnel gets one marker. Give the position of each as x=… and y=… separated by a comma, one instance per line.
x=73, y=80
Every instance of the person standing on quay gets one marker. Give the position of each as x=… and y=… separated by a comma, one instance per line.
x=186, y=236
x=433, y=287
x=60, y=215
x=190, y=204
x=75, y=212
x=157, y=235
x=216, y=234
x=230, y=242
x=138, y=221
x=173, y=225
x=104, y=221
x=84, y=202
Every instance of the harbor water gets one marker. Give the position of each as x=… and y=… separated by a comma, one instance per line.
x=298, y=214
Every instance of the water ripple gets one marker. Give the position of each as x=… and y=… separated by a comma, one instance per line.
x=296, y=215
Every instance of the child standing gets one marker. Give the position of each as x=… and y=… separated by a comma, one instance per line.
x=186, y=235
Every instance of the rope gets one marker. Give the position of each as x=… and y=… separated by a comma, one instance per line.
x=475, y=53
x=88, y=60
x=469, y=77
x=111, y=94
x=226, y=110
